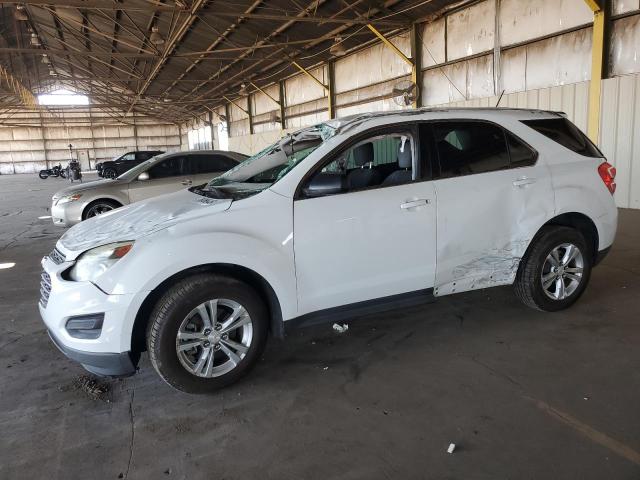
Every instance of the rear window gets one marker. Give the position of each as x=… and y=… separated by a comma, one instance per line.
x=565, y=133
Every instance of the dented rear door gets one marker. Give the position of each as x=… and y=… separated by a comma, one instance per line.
x=493, y=194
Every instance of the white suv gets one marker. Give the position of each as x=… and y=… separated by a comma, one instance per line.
x=347, y=217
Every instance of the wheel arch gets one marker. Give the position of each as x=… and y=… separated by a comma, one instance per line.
x=101, y=199
x=244, y=274
x=578, y=221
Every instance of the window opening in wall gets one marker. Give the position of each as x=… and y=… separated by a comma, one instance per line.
x=223, y=136
x=200, y=138
x=63, y=97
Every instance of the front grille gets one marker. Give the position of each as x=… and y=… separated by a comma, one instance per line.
x=57, y=256
x=45, y=289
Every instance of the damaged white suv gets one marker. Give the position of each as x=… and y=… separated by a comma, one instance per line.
x=340, y=219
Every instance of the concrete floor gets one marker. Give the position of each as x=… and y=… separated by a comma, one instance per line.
x=523, y=394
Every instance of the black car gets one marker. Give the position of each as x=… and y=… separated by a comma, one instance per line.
x=119, y=165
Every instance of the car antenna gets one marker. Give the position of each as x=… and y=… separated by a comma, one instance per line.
x=498, y=104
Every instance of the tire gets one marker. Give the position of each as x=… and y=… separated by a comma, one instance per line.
x=99, y=207
x=43, y=174
x=63, y=173
x=564, y=283
x=183, y=301
x=109, y=173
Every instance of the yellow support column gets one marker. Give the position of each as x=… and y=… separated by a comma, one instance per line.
x=597, y=67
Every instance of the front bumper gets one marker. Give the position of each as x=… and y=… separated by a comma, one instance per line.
x=103, y=364
x=67, y=214
x=108, y=354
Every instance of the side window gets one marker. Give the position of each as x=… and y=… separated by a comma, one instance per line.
x=466, y=148
x=565, y=133
x=382, y=160
x=144, y=155
x=521, y=155
x=170, y=167
x=128, y=157
x=211, y=163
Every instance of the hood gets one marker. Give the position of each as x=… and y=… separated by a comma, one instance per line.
x=83, y=187
x=140, y=219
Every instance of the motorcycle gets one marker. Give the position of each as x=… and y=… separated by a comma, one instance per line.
x=55, y=171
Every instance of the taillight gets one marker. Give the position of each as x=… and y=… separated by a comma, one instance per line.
x=608, y=174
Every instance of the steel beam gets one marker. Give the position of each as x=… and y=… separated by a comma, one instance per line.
x=308, y=74
x=332, y=89
x=281, y=93
x=600, y=10
x=416, y=66
x=250, y=113
x=231, y=101
x=386, y=41
x=265, y=93
x=171, y=44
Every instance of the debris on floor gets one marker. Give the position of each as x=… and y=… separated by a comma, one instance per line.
x=452, y=447
x=92, y=387
x=340, y=328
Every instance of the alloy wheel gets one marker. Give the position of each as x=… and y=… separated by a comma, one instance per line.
x=214, y=337
x=99, y=209
x=562, y=271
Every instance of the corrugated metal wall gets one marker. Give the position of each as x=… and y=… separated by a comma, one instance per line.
x=620, y=135
x=544, y=61
x=28, y=149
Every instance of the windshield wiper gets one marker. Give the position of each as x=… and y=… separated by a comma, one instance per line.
x=209, y=193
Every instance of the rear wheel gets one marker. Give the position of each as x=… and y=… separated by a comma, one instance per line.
x=98, y=208
x=555, y=271
x=206, y=332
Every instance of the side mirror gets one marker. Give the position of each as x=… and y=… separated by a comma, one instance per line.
x=143, y=176
x=325, y=184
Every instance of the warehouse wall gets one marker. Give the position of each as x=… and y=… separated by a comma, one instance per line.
x=26, y=146
x=538, y=52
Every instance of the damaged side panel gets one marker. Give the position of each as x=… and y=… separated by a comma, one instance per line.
x=485, y=224
x=498, y=267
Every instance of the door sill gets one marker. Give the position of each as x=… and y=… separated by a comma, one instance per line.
x=359, y=309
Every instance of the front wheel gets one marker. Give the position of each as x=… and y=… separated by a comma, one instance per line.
x=43, y=174
x=555, y=271
x=109, y=173
x=99, y=207
x=206, y=332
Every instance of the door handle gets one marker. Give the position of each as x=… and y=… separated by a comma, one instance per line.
x=186, y=182
x=415, y=203
x=523, y=181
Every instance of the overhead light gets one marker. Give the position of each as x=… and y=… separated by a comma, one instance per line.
x=337, y=49
x=156, y=38
x=35, y=41
x=45, y=59
x=21, y=14
x=243, y=89
x=166, y=100
x=7, y=265
x=53, y=73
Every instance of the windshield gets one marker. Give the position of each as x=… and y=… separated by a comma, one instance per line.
x=269, y=165
x=138, y=169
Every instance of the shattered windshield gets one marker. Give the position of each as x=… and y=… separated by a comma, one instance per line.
x=267, y=166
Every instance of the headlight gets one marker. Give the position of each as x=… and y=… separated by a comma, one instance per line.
x=93, y=263
x=69, y=198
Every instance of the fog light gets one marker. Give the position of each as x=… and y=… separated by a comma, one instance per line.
x=85, y=326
